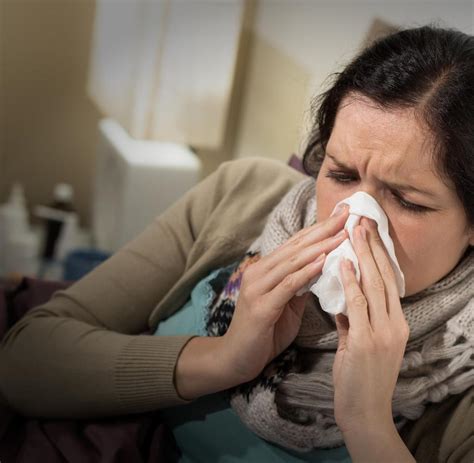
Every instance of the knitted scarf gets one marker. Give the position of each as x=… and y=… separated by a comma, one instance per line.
x=291, y=402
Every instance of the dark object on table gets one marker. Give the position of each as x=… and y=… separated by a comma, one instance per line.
x=81, y=261
x=63, y=195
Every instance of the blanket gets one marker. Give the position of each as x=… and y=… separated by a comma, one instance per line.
x=132, y=438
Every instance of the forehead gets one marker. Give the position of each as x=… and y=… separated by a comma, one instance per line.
x=399, y=136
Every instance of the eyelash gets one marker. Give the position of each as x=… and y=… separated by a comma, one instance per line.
x=342, y=178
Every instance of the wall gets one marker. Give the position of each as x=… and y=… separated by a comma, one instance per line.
x=48, y=130
x=48, y=125
x=305, y=41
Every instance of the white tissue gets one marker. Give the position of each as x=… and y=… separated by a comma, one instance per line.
x=328, y=286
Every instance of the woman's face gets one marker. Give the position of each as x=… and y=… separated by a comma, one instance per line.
x=388, y=154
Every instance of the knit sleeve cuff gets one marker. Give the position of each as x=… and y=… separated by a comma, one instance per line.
x=144, y=373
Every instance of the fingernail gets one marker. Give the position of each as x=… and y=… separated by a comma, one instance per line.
x=368, y=223
x=340, y=209
x=348, y=265
x=362, y=232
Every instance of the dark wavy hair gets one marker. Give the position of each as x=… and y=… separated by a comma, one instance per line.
x=430, y=69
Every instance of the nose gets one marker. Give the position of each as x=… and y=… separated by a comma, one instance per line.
x=369, y=189
x=372, y=191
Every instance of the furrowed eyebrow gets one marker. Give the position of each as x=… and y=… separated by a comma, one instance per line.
x=393, y=186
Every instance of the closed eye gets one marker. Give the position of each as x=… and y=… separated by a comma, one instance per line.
x=345, y=178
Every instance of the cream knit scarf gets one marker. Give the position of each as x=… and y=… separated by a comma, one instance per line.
x=291, y=402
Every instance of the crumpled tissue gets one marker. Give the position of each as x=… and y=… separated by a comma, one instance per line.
x=328, y=285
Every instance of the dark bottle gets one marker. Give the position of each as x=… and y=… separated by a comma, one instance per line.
x=63, y=196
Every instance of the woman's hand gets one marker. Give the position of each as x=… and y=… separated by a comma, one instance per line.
x=372, y=339
x=268, y=315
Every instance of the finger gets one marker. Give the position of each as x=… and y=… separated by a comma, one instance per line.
x=384, y=265
x=278, y=297
x=373, y=285
x=305, y=238
x=324, y=228
x=356, y=302
x=341, y=216
x=342, y=326
x=288, y=265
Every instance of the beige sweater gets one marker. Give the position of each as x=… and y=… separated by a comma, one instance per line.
x=83, y=350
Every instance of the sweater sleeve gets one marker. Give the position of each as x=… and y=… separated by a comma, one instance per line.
x=445, y=431
x=81, y=354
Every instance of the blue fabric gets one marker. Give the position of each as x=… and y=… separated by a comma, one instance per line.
x=208, y=429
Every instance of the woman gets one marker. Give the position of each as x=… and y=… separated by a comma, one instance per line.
x=397, y=124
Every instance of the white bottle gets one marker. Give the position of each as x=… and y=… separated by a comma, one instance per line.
x=18, y=244
x=15, y=212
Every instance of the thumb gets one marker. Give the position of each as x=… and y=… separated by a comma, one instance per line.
x=342, y=326
x=298, y=304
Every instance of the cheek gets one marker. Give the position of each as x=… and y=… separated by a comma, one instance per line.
x=417, y=247
x=418, y=240
x=409, y=238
